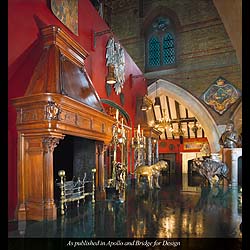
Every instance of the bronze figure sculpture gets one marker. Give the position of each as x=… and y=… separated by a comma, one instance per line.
x=230, y=138
x=212, y=170
x=152, y=173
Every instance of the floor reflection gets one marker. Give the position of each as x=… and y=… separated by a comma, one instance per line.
x=177, y=210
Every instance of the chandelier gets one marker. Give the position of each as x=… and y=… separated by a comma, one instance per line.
x=164, y=122
x=177, y=132
x=146, y=103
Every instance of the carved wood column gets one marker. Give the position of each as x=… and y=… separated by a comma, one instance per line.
x=21, y=207
x=49, y=143
x=100, y=185
x=35, y=176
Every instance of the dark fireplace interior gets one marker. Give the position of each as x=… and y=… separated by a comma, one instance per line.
x=76, y=156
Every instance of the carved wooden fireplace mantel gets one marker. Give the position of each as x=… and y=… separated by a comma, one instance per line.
x=60, y=100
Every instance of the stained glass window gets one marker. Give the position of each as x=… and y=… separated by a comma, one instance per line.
x=154, y=52
x=168, y=56
x=160, y=43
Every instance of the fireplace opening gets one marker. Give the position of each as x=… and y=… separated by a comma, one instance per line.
x=76, y=156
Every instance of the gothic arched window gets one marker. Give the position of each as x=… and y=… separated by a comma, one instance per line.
x=160, y=44
x=154, y=51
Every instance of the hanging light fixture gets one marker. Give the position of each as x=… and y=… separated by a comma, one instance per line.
x=164, y=122
x=195, y=127
x=157, y=98
x=177, y=132
x=157, y=102
x=144, y=106
x=111, y=75
x=146, y=103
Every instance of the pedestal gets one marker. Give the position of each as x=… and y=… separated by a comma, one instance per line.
x=230, y=157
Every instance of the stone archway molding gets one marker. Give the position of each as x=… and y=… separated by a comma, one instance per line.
x=189, y=101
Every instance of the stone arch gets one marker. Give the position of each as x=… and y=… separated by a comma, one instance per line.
x=188, y=100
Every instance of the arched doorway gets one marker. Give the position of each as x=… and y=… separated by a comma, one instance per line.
x=188, y=100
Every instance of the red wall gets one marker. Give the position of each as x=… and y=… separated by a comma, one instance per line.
x=174, y=146
x=24, y=19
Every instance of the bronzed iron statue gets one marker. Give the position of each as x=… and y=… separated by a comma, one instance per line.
x=152, y=173
x=211, y=170
x=230, y=138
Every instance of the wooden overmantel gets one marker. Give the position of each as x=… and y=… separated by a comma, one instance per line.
x=60, y=100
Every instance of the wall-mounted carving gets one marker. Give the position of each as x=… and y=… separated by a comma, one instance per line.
x=115, y=60
x=221, y=95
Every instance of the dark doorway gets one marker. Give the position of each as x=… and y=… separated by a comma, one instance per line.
x=194, y=178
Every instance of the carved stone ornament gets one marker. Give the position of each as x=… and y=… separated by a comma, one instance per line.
x=53, y=111
x=115, y=56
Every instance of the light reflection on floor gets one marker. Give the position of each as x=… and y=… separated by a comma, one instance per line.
x=180, y=209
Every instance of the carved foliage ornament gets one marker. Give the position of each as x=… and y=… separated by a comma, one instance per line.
x=115, y=57
x=49, y=143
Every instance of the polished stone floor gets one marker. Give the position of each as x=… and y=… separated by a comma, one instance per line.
x=182, y=208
